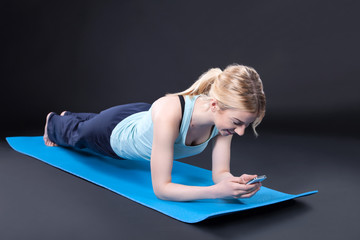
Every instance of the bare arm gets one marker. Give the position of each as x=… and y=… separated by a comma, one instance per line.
x=221, y=158
x=221, y=169
x=166, y=117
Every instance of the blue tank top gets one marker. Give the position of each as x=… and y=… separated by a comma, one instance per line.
x=132, y=137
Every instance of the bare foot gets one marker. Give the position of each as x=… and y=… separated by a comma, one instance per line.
x=46, y=138
x=63, y=113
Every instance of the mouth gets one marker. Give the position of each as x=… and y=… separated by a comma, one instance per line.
x=230, y=133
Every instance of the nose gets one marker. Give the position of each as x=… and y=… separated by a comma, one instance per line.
x=240, y=130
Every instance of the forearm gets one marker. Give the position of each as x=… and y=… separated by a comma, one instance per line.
x=179, y=192
x=220, y=176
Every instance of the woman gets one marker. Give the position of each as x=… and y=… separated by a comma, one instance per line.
x=218, y=105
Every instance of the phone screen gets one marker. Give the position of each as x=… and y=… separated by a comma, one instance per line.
x=257, y=179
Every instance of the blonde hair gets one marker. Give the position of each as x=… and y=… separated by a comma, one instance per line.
x=237, y=87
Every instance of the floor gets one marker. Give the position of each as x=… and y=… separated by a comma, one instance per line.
x=38, y=201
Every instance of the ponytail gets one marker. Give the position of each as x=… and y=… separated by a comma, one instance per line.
x=203, y=84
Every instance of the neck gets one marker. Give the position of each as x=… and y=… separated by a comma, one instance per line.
x=202, y=115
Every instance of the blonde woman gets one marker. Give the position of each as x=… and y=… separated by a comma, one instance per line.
x=217, y=106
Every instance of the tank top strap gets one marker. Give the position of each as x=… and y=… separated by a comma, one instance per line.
x=182, y=102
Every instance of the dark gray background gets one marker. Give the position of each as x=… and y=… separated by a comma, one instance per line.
x=90, y=55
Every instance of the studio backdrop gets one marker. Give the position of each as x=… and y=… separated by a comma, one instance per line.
x=90, y=55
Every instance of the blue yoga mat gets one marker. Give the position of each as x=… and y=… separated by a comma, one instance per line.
x=132, y=179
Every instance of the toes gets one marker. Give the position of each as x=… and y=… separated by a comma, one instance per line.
x=50, y=143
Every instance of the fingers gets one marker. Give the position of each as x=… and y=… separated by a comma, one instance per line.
x=246, y=177
x=236, y=179
x=247, y=190
x=243, y=179
x=248, y=195
x=240, y=189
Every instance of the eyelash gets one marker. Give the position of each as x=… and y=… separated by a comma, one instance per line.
x=238, y=123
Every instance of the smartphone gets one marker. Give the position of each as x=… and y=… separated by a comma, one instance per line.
x=257, y=179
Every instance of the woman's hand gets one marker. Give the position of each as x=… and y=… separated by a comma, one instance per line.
x=235, y=187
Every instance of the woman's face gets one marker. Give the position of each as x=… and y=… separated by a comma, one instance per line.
x=232, y=121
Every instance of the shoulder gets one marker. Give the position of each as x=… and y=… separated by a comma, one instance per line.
x=167, y=107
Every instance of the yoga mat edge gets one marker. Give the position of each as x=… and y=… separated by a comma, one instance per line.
x=105, y=174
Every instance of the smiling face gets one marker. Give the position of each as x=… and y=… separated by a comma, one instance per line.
x=232, y=121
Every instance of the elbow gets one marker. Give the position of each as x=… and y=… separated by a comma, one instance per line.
x=160, y=192
x=160, y=195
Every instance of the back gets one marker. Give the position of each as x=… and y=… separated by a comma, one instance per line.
x=132, y=138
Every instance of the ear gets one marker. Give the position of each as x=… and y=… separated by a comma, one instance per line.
x=214, y=105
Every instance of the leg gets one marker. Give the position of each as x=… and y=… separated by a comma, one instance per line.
x=82, y=116
x=94, y=133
